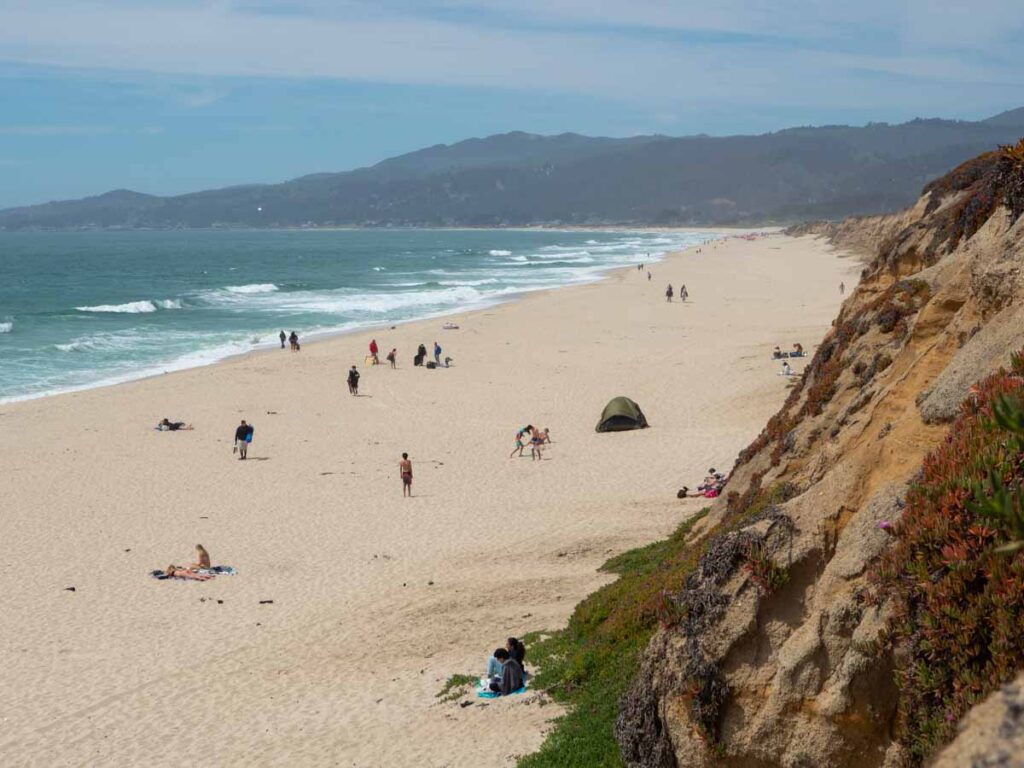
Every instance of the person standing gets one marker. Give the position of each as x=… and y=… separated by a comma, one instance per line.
x=668, y=293
x=648, y=277
x=373, y=351
x=243, y=437
x=283, y=337
x=437, y=353
x=683, y=293
x=392, y=357
x=405, y=468
x=842, y=288
x=353, y=381
x=294, y=339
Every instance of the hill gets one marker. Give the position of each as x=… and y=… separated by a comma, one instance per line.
x=517, y=179
x=858, y=589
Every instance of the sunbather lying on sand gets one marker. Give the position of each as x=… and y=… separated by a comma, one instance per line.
x=177, y=572
x=166, y=425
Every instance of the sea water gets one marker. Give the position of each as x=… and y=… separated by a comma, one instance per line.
x=85, y=309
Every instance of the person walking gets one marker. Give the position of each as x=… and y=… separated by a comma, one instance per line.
x=243, y=438
x=668, y=293
x=353, y=381
x=294, y=339
x=683, y=293
x=283, y=337
x=842, y=288
x=405, y=468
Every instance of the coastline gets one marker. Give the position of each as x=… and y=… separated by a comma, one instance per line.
x=376, y=600
x=201, y=358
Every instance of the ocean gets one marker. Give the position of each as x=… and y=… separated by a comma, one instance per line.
x=86, y=309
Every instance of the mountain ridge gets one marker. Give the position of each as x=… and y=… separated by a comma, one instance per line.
x=518, y=178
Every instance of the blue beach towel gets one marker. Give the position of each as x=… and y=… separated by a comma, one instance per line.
x=483, y=692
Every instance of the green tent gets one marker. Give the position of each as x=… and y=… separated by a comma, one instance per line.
x=621, y=414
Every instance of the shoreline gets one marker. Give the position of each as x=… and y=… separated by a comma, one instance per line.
x=177, y=365
x=376, y=599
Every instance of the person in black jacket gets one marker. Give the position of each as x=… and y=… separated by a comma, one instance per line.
x=242, y=439
x=353, y=380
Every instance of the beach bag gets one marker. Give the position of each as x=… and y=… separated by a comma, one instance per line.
x=431, y=365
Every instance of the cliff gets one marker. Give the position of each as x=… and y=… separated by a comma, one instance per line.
x=854, y=594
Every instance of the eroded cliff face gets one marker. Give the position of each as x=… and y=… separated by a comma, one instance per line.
x=774, y=653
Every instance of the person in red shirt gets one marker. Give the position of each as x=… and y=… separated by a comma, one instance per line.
x=373, y=351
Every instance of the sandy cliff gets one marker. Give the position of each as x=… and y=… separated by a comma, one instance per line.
x=803, y=636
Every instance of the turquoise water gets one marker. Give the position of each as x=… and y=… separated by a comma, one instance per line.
x=83, y=309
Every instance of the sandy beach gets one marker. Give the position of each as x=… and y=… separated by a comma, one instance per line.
x=376, y=599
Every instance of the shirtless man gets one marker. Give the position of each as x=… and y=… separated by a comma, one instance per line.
x=405, y=468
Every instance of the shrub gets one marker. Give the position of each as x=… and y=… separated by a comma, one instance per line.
x=957, y=589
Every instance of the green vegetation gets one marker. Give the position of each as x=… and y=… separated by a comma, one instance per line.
x=589, y=664
x=455, y=686
x=955, y=575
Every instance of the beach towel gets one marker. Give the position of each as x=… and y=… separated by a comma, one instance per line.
x=217, y=570
x=483, y=690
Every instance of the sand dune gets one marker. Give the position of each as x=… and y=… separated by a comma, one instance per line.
x=376, y=599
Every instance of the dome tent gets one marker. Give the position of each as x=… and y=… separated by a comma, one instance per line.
x=621, y=414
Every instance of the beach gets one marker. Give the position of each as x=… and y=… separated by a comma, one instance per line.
x=351, y=605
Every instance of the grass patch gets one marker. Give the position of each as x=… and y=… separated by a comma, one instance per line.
x=455, y=686
x=589, y=664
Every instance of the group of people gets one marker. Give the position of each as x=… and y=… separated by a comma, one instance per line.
x=536, y=438
x=683, y=293
x=506, y=673
x=710, y=488
x=797, y=351
x=292, y=339
x=421, y=356
x=197, y=571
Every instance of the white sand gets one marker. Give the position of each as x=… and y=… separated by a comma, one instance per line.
x=343, y=667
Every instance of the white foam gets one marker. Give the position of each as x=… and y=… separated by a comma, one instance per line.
x=252, y=288
x=499, y=253
x=7, y=327
x=169, y=303
x=131, y=308
x=379, y=269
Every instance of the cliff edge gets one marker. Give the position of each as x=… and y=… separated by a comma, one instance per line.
x=857, y=591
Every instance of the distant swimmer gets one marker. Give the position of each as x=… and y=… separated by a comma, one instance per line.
x=283, y=337
x=405, y=468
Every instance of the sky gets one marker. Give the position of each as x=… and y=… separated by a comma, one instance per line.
x=171, y=96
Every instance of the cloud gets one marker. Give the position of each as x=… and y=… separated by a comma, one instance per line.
x=649, y=51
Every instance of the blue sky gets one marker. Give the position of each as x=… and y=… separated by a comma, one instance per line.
x=169, y=96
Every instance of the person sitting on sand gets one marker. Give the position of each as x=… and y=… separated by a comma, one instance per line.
x=447, y=362
x=517, y=651
x=798, y=350
x=776, y=353
x=202, y=558
x=786, y=370
x=494, y=666
x=353, y=380
x=392, y=357
x=177, y=572
x=166, y=425
x=511, y=674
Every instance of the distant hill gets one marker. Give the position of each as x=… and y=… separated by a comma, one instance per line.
x=519, y=178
